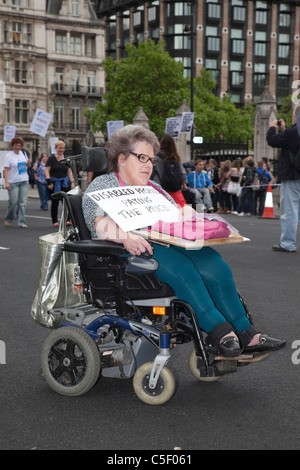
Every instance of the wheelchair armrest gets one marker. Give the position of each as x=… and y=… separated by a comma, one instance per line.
x=94, y=247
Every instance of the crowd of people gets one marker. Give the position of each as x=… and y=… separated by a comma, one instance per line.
x=237, y=187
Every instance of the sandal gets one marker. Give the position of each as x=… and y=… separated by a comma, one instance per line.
x=56, y=224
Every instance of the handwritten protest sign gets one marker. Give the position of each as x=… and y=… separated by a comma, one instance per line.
x=134, y=207
x=40, y=123
x=9, y=133
x=172, y=126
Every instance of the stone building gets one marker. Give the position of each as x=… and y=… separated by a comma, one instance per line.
x=247, y=45
x=50, y=59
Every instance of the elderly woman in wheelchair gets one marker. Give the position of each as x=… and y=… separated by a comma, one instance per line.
x=196, y=286
x=204, y=280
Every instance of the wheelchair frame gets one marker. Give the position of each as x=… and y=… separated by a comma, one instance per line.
x=117, y=337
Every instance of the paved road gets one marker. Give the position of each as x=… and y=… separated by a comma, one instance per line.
x=256, y=408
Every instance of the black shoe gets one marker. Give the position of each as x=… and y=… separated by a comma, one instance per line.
x=279, y=248
x=266, y=344
x=229, y=347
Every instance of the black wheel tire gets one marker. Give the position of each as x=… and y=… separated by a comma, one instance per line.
x=70, y=361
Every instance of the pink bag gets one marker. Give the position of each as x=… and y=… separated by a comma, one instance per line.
x=193, y=229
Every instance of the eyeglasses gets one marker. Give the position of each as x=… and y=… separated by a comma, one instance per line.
x=144, y=158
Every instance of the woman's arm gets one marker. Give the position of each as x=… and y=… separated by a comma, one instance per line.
x=47, y=176
x=5, y=173
x=107, y=229
x=71, y=177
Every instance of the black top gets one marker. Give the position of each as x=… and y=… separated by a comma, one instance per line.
x=288, y=141
x=57, y=169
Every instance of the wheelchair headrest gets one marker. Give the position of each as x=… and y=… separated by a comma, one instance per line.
x=94, y=159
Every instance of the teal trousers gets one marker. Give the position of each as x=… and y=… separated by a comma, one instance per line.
x=204, y=280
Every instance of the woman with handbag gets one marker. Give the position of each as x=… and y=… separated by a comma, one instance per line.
x=199, y=277
x=234, y=184
x=224, y=198
x=59, y=177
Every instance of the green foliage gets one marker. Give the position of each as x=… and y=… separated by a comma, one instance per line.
x=286, y=110
x=215, y=118
x=150, y=78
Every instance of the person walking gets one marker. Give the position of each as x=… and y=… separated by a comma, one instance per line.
x=41, y=182
x=16, y=178
x=247, y=197
x=289, y=141
x=59, y=177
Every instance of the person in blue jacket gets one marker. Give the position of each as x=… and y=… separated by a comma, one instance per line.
x=199, y=181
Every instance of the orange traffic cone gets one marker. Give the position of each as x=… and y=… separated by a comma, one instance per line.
x=268, y=210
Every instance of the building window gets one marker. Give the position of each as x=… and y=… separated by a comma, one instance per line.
x=212, y=66
x=152, y=13
x=7, y=111
x=6, y=31
x=61, y=43
x=59, y=114
x=17, y=32
x=16, y=3
x=75, y=80
x=59, y=79
x=75, y=8
x=28, y=34
x=260, y=79
x=7, y=71
x=75, y=114
x=260, y=45
x=285, y=15
x=239, y=14
x=91, y=81
x=182, y=9
x=261, y=13
x=20, y=72
x=237, y=76
x=21, y=111
x=214, y=11
x=75, y=45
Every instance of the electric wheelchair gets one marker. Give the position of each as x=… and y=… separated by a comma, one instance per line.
x=127, y=325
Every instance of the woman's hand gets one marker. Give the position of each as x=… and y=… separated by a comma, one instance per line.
x=107, y=229
x=137, y=245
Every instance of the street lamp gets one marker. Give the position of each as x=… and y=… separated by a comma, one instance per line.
x=189, y=28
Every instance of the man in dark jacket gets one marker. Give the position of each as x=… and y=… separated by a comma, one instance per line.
x=289, y=141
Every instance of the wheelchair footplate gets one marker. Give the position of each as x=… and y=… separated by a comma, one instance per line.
x=244, y=358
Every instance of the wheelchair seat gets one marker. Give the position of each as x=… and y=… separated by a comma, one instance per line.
x=103, y=263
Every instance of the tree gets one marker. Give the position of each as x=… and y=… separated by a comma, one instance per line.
x=215, y=118
x=148, y=77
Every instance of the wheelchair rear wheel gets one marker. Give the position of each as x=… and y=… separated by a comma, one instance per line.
x=193, y=359
x=70, y=361
x=164, y=390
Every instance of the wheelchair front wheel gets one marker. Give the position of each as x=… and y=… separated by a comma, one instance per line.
x=193, y=359
x=70, y=361
x=164, y=390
